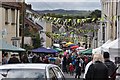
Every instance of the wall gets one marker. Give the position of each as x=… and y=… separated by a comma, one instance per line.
x=8, y=0
x=108, y=11
x=1, y=22
x=118, y=26
x=0, y=57
x=10, y=29
x=42, y=34
x=49, y=29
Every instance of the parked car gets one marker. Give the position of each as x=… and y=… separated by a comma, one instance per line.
x=31, y=71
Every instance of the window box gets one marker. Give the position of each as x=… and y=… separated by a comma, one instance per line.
x=6, y=22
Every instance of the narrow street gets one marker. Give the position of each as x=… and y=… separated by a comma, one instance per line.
x=43, y=39
x=69, y=77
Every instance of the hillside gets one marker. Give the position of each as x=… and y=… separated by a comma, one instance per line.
x=66, y=12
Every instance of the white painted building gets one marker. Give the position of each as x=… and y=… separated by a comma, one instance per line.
x=108, y=29
x=47, y=27
x=9, y=23
x=118, y=20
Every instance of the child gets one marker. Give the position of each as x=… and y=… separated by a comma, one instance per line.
x=71, y=69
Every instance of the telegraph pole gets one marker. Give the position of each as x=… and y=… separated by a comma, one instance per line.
x=23, y=20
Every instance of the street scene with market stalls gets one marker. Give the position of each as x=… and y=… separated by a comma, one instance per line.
x=60, y=39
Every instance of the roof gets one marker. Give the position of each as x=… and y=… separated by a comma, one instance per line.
x=25, y=66
x=11, y=5
x=31, y=23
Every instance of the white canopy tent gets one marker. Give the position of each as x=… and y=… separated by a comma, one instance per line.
x=113, y=44
x=99, y=49
x=104, y=46
x=113, y=48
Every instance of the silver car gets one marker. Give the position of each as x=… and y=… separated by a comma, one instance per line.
x=31, y=72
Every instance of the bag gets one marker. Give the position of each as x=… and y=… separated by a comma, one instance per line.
x=114, y=73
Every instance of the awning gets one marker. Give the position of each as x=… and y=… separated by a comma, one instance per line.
x=116, y=44
x=58, y=49
x=87, y=52
x=4, y=46
x=44, y=50
x=99, y=49
x=111, y=44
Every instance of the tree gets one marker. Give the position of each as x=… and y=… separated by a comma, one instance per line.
x=37, y=41
x=96, y=14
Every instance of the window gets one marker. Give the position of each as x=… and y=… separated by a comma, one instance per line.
x=103, y=37
x=13, y=16
x=58, y=73
x=6, y=16
x=52, y=75
x=23, y=74
x=14, y=43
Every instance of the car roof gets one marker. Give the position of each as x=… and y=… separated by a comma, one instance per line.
x=26, y=66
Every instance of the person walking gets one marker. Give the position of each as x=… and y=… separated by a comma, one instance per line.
x=64, y=64
x=58, y=61
x=78, y=65
x=24, y=59
x=5, y=58
x=71, y=69
x=97, y=70
x=110, y=65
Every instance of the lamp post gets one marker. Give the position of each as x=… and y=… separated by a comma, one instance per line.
x=103, y=32
x=103, y=26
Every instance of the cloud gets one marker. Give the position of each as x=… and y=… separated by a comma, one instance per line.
x=65, y=5
x=62, y=0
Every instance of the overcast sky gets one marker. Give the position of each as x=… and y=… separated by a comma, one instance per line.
x=65, y=4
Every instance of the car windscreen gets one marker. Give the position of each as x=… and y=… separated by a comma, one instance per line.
x=37, y=74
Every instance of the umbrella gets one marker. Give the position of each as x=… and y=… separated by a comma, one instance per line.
x=56, y=45
x=74, y=47
x=80, y=48
x=69, y=43
x=63, y=42
x=58, y=49
x=87, y=52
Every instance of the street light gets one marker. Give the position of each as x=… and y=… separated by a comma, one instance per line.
x=103, y=34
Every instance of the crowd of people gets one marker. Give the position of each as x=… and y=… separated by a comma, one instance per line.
x=95, y=67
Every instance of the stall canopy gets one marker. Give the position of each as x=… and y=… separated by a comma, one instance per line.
x=44, y=50
x=87, y=52
x=116, y=44
x=99, y=49
x=56, y=45
x=4, y=46
x=113, y=44
x=69, y=43
x=58, y=49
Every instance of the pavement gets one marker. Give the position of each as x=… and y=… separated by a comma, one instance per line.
x=69, y=77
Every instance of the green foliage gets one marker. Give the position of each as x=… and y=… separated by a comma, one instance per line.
x=28, y=47
x=37, y=41
x=95, y=14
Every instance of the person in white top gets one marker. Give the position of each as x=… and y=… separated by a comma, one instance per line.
x=86, y=68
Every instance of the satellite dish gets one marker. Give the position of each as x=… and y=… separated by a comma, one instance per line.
x=4, y=32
